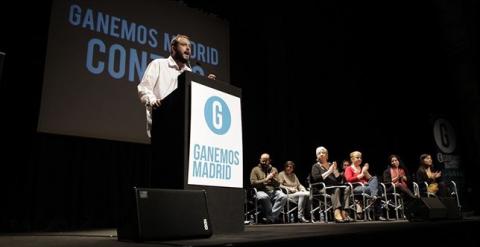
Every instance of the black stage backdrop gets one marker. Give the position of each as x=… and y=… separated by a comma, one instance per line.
x=360, y=76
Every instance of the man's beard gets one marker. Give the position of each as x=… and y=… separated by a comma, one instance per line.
x=266, y=167
x=179, y=57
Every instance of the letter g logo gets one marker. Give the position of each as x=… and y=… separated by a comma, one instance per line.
x=217, y=115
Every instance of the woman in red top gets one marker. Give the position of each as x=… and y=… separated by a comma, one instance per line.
x=356, y=173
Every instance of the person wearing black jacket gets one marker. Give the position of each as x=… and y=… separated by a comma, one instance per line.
x=427, y=173
x=324, y=171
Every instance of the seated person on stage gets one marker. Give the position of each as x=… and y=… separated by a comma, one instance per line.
x=426, y=173
x=324, y=171
x=396, y=174
x=289, y=181
x=345, y=164
x=356, y=173
x=264, y=177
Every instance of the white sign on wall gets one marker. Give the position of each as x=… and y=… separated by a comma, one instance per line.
x=215, y=155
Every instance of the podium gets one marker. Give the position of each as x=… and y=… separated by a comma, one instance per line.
x=208, y=114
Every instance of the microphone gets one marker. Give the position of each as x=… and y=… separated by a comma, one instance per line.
x=270, y=168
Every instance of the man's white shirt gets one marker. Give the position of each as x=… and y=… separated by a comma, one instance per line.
x=159, y=80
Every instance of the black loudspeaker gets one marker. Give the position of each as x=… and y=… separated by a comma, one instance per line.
x=453, y=211
x=425, y=208
x=163, y=214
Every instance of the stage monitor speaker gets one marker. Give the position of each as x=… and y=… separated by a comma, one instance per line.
x=453, y=211
x=425, y=208
x=163, y=214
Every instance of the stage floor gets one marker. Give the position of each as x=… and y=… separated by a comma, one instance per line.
x=405, y=233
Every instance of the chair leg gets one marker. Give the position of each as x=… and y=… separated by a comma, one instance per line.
x=395, y=196
x=402, y=208
x=312, y=210
x=387, y=206
x=365, y=213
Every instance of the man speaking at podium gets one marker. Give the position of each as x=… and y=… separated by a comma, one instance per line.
x=160, y=77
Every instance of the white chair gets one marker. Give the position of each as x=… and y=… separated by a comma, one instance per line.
x=291, y=207
x=391, y=199
x=366, y=200
x=321, y=193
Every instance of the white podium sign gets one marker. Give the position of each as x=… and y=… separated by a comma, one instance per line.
x=215, y=149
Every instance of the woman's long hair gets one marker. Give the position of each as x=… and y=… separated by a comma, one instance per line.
x=401, y=165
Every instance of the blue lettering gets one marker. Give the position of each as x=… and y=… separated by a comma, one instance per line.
x=211, y=174
x=219, y=171
x=228, y=172
x=203, y=154
x=136, y=65
x=205, y=170
x=153, y=38
x=88, y=20
x=200, y=52
x=211, y=154
x=102, y=23
x=90, y=49
x=208, y=54
x=224, y=156
x=74, y=17
x=166, y=42
x=196, y=151
x=216, y=158
x=211, y=170
x=236, y=158
x=117, y=60
x=114, y=26
x=197, y=169
x=111, y=61
x=214, y=56
x=142, y=34
x=128, y=31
